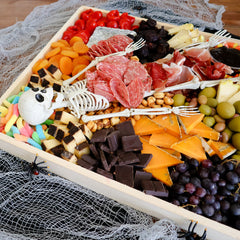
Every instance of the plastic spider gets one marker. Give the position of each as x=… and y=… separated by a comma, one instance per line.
x=34, y=167
x=190, y=235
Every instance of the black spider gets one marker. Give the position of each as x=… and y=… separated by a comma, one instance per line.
x=139, y=8
x=190, y=235
x=34, y=168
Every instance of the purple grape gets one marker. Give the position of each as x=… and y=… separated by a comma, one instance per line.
x=182, y=199
x=237, y=170
x=225, y=192
x=176, y=202
x=178, y=188
x=197, y=209
x=174, y=175
x=194, y=200
x=229, y=166
x=230, y=187
x=221, y=183
x=220, y=168
x=200, y=192
x=215, y=176
x=208, y=210
x=237, y=224
x=219, y=197
x=193, y=163
x=207, y=183
x=196, y=181
x=203, y=173
x=183, y=179
x=190, y=188
x=182, y=167
x=235, y=209
x=216, y=205
x=207, y=163
x=217, y=217
x=225, y=205
x=234, y=198
x=232, y=177
x=209, y=199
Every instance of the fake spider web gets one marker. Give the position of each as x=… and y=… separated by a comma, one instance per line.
x=50, y=207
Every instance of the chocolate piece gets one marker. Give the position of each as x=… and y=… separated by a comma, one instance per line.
x=86, y=165
x=45, y=82
x=141, y=176
x=131, y=143
x=69, y=143
x=112, y=160
x=124, y=174
x=89, y=159
x=154, y=188
x=113, y=140
x=94, y=151
x=100, y=136
x=56, y=73
x=69, y=157
x=49, y=144
x=57, y=86
x=52, y=130
x=57, y=150
x=65, y=117
x=127, y=158
x=125, y=128
x=81, y=149
x=104, y=173
x=104, y=161
x=42, y=72
x=105, y=148
x=78, y=135
x=144, y=160
x=35, y=79
x=86, y=131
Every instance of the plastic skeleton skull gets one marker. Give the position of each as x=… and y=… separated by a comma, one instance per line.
x=36, y=105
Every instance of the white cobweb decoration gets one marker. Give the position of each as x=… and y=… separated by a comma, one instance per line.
x=50, y=207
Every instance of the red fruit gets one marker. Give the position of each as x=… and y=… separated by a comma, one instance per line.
x=112, y=24
x=102, y=22
x=127, y=17
x=96, y=15
x=134, y=27
x=85, y=15
x=124, y=24
x=113, y=16
x=67, y=35
x=80, y=23
x=84, y=35
x=91, y=24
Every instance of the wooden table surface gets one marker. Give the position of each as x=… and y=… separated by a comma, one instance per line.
x=12, y=11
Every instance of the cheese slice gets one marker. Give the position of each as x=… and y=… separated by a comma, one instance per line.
x=191, y=147
x=163, y=139
x=188, y=123
x=170, y=123
x=160, y=157
x=223, y=150
x=145, y=126
x=202, y=130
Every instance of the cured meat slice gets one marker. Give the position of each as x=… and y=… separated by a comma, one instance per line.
x=136, y=92
x=172, y=71
x=91, y=78
x=120, y=91
x=111, y=45
x=102, y=88
x=178, y=58
x=199, y=55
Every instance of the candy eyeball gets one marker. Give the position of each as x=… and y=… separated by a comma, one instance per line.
x=35, y=105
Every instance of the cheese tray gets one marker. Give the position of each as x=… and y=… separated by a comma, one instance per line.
x=120, y=192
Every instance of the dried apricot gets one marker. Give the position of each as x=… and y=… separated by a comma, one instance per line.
x=53, y=52
x=66, y=65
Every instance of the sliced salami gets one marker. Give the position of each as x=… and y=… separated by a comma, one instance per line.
x=136, y=92
x=120, y=91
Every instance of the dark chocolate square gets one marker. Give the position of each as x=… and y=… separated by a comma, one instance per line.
x=86, y=165
x=100, y=135
x=113, y=140
x=89, y=159
x=104, y=173
x=141, y=176
x=154, y=188
x=125, y=128
x=104, y=161
x=131, y=143
x=124, y=174
x=144, y=158
x=127, y=158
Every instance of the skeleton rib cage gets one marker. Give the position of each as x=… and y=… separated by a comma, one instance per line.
x=80, y=100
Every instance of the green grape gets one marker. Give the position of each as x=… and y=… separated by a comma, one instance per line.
x=209, y=121
x=179, y=100
x=236, y=140
x=209, y=92
x=237, y=106
x=205, y=109
x=212, y=102
x=234, y=124
x=225, y=110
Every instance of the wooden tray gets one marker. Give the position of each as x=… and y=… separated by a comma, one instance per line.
x=100, y=184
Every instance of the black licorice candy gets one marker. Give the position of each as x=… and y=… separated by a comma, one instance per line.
x=124, y=174
x=131, y=143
